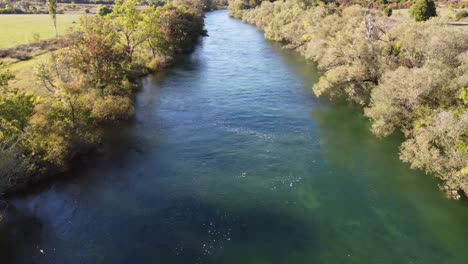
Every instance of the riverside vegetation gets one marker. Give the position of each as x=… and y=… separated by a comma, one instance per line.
x=406, y=76
x=88, y=84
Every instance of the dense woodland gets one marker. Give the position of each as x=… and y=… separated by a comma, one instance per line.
x=89, y=84
x=407, y=76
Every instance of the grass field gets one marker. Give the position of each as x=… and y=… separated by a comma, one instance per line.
x=448, y=13
x=20, y=29
x=24, y=74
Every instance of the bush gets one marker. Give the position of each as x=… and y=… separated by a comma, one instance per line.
x=387, y=11
x=36, y=37
x=103, y=10
x=461, y=14
x=32, y=9
x=422, y=10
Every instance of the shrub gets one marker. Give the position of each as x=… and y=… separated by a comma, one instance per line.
x=461, y=14
x=387, y=11
x=36, y=37
x=422, y=10
x=32, y=9
x=103, y=10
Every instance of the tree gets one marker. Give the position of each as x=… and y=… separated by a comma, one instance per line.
x=62, y=124
x=435, y=148
x=181, y=27
x=403, y=97
x=5, y=77
x=422, y=10
x=52, y=7
x=103, y=10
x=388, y=11
x=16, y=108
x=96, y=52
x=129, y=21
x=236, y=7
x=156, y=38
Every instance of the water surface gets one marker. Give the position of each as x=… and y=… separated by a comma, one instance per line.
x=232, y=159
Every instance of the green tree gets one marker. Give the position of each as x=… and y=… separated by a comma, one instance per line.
x=388, y=11
x=16, y=108
x=5, y=77
x=156, y=41
x=103, y=10
x=182, y=28
x=129, y=22
x=422, y=10
x=52, y=7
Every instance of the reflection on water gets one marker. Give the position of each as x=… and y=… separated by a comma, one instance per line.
x=231, y=159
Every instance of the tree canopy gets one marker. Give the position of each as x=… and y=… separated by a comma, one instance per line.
x=422, y=10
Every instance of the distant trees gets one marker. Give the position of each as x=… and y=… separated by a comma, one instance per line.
x=422, y=10
x=409, y=76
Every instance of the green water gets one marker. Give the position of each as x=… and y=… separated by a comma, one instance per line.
x=231, y=159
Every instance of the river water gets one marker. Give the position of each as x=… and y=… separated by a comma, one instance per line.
x=231, y=159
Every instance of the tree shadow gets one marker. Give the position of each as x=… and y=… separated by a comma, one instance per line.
x=191, y=231
x=19, y=235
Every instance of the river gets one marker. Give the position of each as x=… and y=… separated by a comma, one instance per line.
x=231, y=159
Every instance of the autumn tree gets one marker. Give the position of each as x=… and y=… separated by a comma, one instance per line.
x=181, y=27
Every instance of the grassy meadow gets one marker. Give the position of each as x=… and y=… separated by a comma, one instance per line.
x=21, y=29
x=448, y=13
x=24, y=75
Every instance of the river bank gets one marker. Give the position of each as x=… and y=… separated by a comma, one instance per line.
x=87, y=85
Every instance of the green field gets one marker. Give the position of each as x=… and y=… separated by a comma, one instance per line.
x=24, y=74
x=20, y=29
x=448, y=13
